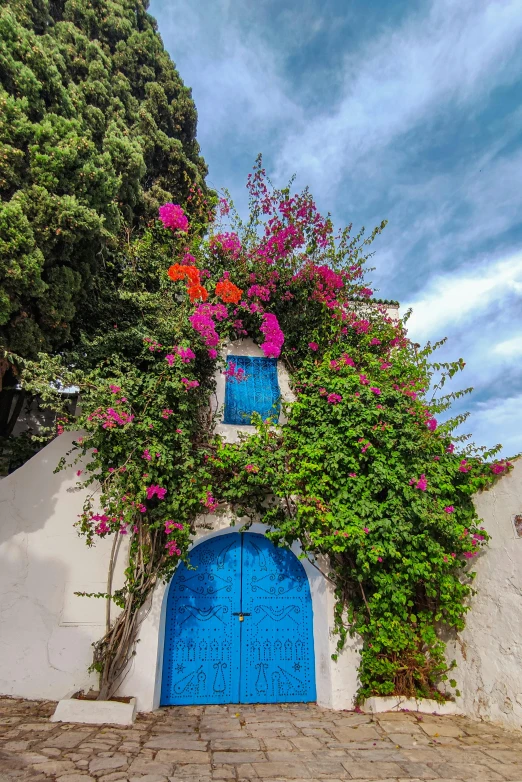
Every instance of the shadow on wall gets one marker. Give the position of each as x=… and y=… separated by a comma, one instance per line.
x=47, y=632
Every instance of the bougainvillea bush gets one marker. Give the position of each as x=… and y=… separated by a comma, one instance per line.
x=364, y=475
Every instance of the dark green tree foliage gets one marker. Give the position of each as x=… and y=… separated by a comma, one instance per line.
x=96, y=130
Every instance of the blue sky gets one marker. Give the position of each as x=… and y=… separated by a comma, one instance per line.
x=405, y=110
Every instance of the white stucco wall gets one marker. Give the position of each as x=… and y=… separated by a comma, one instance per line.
x=489, y=651
x=45, y=631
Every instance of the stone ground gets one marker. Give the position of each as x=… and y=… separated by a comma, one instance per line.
x=270, y=742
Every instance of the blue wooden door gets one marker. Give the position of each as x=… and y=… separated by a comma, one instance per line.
x=202, y=634
x=239, y=627
x=277, y=645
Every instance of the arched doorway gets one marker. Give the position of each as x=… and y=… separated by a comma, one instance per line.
x=239, y=628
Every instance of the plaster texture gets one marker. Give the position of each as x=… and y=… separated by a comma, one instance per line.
x=379, y=705
x=489, y=651
x=46, y=631
x=94, y=712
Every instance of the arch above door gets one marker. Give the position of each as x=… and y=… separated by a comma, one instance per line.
x=239, y=627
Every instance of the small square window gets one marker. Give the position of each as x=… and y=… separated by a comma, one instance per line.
x=257, y=393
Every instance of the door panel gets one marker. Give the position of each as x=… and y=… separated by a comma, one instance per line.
x=277, y=650
x=202, y=635
x=239, y=628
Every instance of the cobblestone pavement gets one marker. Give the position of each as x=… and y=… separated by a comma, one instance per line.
x=270, y=743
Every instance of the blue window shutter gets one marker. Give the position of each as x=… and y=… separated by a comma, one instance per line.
x=259, y=393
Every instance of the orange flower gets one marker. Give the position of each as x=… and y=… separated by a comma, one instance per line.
x=180, y=272
x=228, y=292
x=176, y=272
x=197, y=291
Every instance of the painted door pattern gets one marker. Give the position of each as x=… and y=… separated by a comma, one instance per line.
x=239, y=627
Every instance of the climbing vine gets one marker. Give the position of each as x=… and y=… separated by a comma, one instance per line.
x=363, y=474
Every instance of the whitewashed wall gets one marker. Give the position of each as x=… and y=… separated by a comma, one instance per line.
x=489, y=651
x=45, y=631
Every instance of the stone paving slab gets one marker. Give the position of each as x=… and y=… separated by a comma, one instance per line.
x=254, y=743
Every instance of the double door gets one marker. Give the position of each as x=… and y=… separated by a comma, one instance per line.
x=239, y=626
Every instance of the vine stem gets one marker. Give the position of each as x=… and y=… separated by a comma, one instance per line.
x=112, y=562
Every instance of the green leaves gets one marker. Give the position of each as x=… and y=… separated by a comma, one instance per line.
x=96, y=129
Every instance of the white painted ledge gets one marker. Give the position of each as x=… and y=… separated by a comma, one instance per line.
x=378, y=705
x=71, y=709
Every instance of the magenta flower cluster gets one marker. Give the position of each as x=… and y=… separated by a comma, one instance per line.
x=226, y=242
x=186, y=355
x=156, y=491
x=202, y=321
x=274, y=337
x=334, y=399
x=110, y=418
x=189, y=383
x=234, y=373
x=260, y=292
x=210, y=503
x=173, y=217
x=420, y=483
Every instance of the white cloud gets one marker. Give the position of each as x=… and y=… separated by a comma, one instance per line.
x=510, y=347
x=429, y=64
x=452, y=299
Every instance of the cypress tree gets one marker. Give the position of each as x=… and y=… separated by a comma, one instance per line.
x=96, y=131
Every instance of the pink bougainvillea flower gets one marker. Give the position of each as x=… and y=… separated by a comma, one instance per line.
x=347, y=361
x=449, y=509
x=375, y=341
x=170, y=526
x=385, y=365
x=170, y=358
x=141, y=507
x=436, y=458
x=450, y=448
x=252, y=468
x=79, y=472
x=115, y=389
x=212, y=353
x=422, y=483
x=364, y=380
x=210, y=502
x=352, y=474
x=431, y=423
x=146, y=455
x=366, y=530
x=156, y=491
x=379, y=559
x=172, y=548
x=189, y=383
x=313, y=346
x=334, y=399
x=375, y=390
x=165, y=413
x=173, y=217
x=463, y=466
x=500, y=467
x=274, y=337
